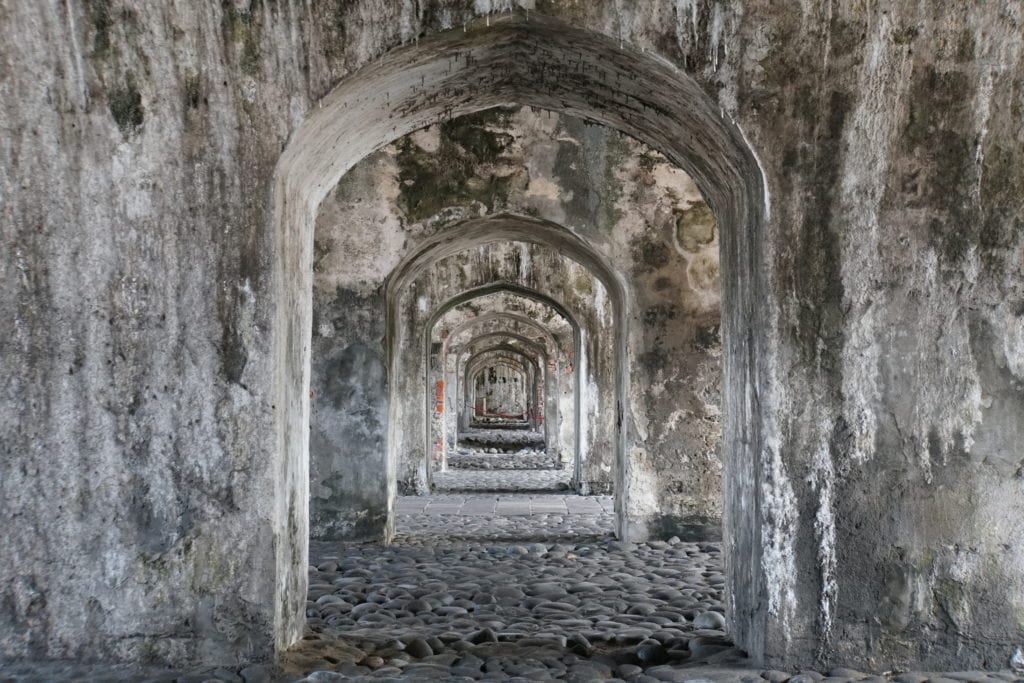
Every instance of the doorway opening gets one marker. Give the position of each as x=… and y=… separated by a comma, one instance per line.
x=514, y=62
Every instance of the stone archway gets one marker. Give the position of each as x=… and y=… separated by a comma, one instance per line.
x=541, y=353
x=502, y=355
x=546, y=346
x=587, y=434
x=579, y=368
x=546, y=64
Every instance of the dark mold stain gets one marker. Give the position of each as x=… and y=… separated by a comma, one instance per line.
x=126, y=106
x=649, y=255
x=452, y=176
x=98, y=12
x=241, y=29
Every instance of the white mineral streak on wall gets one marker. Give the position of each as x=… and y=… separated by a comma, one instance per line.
x=525, y=261
x=766, y=196
x=602, y=305
x=779, y=519
x=643, y=486
x=1013, y=344
x=721, y=25
x=822, y=479
x=954, y=398
x=409, y=21
x=589, y=410
x=715, y=39
x=982, y=111
x=81, y=91
x=950, y=400
x=998, y=53
x=778, y=529
x=872, y=126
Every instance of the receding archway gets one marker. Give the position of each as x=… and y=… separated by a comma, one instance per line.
x=579, y=367
x=538, y=351
x=536, y=62
x=560, y=406
x=509, y=357
x=500, y=229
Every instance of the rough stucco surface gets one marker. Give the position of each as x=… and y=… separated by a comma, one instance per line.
x=137, y=429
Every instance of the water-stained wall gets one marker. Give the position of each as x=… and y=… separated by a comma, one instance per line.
x=874, y=523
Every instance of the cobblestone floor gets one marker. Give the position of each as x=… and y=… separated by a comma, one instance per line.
x=479, y=460
x=532, y=588
x=503, y=517
x=505, y=587
x=501, y=438
x=502, y=480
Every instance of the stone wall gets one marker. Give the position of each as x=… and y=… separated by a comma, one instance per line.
x=876, y=482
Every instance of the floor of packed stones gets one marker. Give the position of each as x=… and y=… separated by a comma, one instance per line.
x=483, y=480
x=506, y=587
x=501, y=438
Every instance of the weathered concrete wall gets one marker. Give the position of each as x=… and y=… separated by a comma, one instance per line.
x=136, y=431
x=884, y=493
x=348, y=420
x=348, y=383
x=892, y=467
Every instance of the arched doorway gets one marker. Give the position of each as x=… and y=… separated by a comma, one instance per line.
x=548, y=65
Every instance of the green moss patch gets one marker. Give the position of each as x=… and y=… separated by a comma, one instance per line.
x=695, y=227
